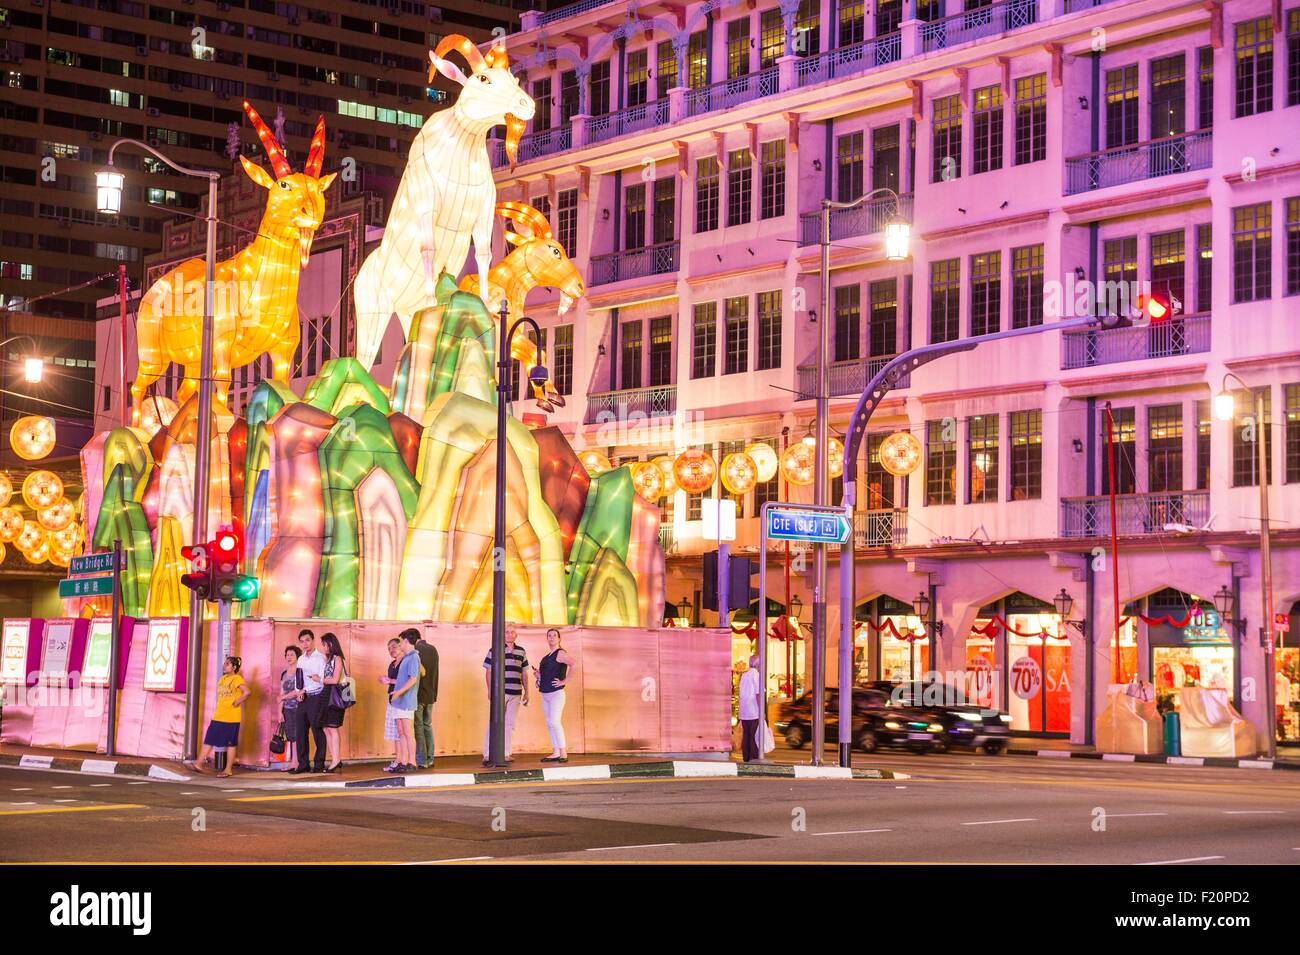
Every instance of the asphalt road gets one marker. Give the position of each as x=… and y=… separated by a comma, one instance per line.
x=954, y=809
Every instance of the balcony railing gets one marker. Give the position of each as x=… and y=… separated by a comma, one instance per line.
x=570, y=10
x=1160, y=157
x=871, y=216
x=978, y=23
x=634, y=263
x=1180, y=335
x=849, y=60
x=1135, y=514
x=731, y=93
x=886, y=527
x=536, y=145
x=657, y=401
x=846, y=377
x=630, y=120
x=1074, y=6
x=667, y=539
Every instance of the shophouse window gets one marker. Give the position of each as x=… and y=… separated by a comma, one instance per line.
x=1168, y=97
x=1122, y=106
x=542, y=97
x=1293, y=246
x=562, y=374
x=945, y=300
x=598, y=99
x=1169, y=270
x=665, y=211
x=566, y=227
x=542, y=204
x=1027, y=286
x=884, y=158
x=982, y=458
x=1203, y=425
x=852, y=22
x=882, y=331
x=767, y=490
x=738, y=48
x=665, y=69
x=848, y=323
x=849, y=167
x=1026, y=455
x=1165, y=448
x=1252, y=250
x=661, y=351
x=986, y=129
x=1204, y=268
x=880, y=483
x=940, y=462
x=634, y=216
x=1124, y=436
x=772, y=200
x=1031, y=119
x=706, y=194
x=704, y=341
x=631, y=347
x=808, y=28
x=1253, y=51
x=1119, y=271
x=740, y=186
x=985, y=292
x=1245, y=434
x=1205, y=87
x=568, y=95
x=1291, y=394
x=638, y=77
x=771, y=38
x=697, y=61
x=735, y=356
x=1293, y=57
x=889, y=13
x=769, y=330
x=946, y=138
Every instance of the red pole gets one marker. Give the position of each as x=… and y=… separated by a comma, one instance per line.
x=121, y=301
x=1117, y=669
x=790, y=650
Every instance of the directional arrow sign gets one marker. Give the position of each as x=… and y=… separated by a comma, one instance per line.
x=793, y=523
x=85, y=587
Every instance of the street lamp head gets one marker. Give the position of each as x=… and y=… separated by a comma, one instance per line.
x=538, y=376
x=1064, y=604
x=1223, y=405
x=796, y=606
x=1223, y=601
x=108, y=191
x=921, y=605
x=33, y=370
x=898, y=240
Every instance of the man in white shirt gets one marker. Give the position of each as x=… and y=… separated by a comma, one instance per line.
x=312, y=665
x=751, y=711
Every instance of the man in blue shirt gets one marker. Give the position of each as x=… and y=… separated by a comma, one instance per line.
x=402, y=705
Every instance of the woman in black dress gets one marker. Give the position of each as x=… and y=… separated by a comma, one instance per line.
x=336, y=669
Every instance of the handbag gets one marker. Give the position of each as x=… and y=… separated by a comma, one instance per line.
x=769, y=743
x=343, y=694
x=279, y=740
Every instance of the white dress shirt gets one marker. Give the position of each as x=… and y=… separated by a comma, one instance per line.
x=309, y=664
x=749, y=693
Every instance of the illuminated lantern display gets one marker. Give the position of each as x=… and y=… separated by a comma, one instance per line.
x=156, y=413
x=42, y=489
x=595, y=462
x=835, y=457
x=11, y=524
x=648, y=480
x=665, y=465
x=29, y=537
x=38, y=554
x=6, y=489
x=695, y=471
x=60, y=558
x=3, y=553
x=739, y=473
x=900, y=453
x=57, y=516
x=765, y=460
x=32, y=437
x=799, y=463
x=68, y=539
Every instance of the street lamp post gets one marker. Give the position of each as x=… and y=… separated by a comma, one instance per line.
x=1223, y=410
x=108, y=191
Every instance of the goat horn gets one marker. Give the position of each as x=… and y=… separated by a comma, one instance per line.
x=525, y=214
x=316, y=155
x=465, y=47
x=497, y=56
x=274, y=151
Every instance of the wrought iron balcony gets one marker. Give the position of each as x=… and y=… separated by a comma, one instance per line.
x=872, y=216
x=849, y=60
x=977, y=23
x=1135, y=514
x=886, y=527
x=846, y=377
x=1159, y=157
x=1074, y=6
x=630, y=120
x=634, y=263
x=731, y=93
x=657, y=401
x=667, y=539
x=570, y=10
x=536, y=145
x=1180, y=335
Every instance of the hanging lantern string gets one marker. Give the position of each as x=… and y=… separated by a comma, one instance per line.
x=998, y=621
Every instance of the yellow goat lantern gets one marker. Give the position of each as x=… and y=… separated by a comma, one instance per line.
x=255, y=293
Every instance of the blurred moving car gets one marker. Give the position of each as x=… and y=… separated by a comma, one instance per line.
x=966, y=725
x=876, y=722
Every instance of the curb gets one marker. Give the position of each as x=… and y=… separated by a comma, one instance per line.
x=1221, y=762
x=93, y=767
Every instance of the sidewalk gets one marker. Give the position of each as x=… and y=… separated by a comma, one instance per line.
x=1063, y=749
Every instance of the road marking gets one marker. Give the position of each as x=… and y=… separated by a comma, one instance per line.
x=491, y=787
x=190, y=792
x=21, y=789
x=648, y=845
x=28, y=812
x=60, y=787
x=1133, y=815
x=996, y=822
x=850, y=832
x=1180, y=861
x=141, y=783
x=439, y=861
x=22, y=804
x=99, y=785
x=1253, y=812
x=65, y=800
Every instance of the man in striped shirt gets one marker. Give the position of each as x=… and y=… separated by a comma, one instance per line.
x=516, y=668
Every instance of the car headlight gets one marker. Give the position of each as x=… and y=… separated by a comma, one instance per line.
x=892, y=724
x=970, y=717
x=1004, y=717
x=936, y=727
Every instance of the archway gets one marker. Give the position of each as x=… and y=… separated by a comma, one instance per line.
x=1018, y=658
x=889, y=641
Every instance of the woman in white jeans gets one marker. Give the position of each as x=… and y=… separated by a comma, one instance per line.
x=555, y=670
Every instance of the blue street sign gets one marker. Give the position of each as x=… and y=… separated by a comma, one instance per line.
x=792, y=523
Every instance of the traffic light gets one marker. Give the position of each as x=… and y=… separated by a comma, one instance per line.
x=739, y=590
x=228, y=583
x=709, y=589
x=199, y=579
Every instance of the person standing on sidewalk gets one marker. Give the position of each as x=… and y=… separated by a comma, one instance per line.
x=556, y=668
x=223, y=730
x=516, y=663
x=390, y=723
x=751, y=711
x=404, y=701
x=427, y=696
x=312, y=664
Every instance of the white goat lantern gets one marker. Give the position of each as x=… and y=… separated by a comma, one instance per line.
x=447, y=196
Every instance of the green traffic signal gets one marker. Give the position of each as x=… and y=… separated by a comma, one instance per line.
x=245, y=588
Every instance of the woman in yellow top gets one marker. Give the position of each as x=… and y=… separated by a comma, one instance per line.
x=223, y=731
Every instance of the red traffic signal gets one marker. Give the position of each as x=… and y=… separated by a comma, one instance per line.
x=199, y=579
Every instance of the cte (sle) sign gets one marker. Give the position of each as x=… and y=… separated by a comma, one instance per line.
x=814, y=526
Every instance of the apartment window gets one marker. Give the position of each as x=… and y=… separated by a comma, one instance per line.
x=985, y=293
x=562, y=357
x=880, y=483
x=1124, y=437
x=849, y=166
x=568, y=95
x=661, y=351
x=638, y=77
x=735, y=356
x=1252, y=249
x=1291, y=394
x=738, y=48
x=940, y=462
x=772, y=199
x=665, y=69
x=986, y=129
x=740, y=186
x=1169, y=270
x=634, y=216
x=889, y=13
x=706, y=194
x=542, y=97
x=1168, y=97
x=808, y=28
x=631, y=349
x=697, y=61
x=1203, y=425
x=1254, y=58
x=1204, y=268
x=882, y=331
x=1293, y=246
x=931, y=10
x=982, y=458
x=1122, y=106
x=543, y=205
x=1119, y=269
x=566, y=226
x=771, y=44
x=1165, y=448
x=598, y=89
x=1027, y=286
x=1031, y=119
x=665, y=219
x=945, y=300
x=946, y=138
x=1293, y=57
x=767, y=490
x=1026, y=455
x=1245, y=432
x=852, y=22
x=704, y=341
x=884, y=158
x=848, y=323
x=1205, y=87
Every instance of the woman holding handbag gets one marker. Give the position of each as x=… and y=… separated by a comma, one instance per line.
x=335, y=681
x=291, y=709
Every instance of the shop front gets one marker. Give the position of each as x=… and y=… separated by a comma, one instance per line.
x=1018, y=661
x=890, y=642
x=1188, y=645
x=1287, y=684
